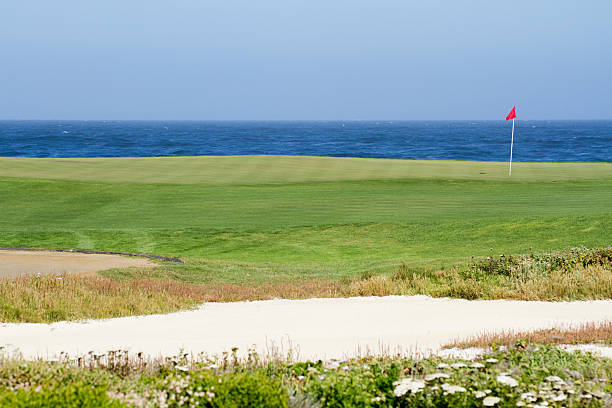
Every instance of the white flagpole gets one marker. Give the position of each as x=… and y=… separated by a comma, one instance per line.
x=511, y=145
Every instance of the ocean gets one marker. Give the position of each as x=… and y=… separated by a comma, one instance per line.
x=537, y=140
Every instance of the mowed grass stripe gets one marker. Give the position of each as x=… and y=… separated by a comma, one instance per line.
x=286, y=169
x=75, y=205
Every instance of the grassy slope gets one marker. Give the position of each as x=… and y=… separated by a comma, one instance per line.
x=287, y=216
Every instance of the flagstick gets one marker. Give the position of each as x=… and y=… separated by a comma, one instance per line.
x=511, y=144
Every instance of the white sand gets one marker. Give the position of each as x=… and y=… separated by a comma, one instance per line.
x=317, y=328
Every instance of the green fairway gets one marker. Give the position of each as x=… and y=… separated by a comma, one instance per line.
x=254, y=218
x=286, y=169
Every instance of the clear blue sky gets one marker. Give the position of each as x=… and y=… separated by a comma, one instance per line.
x=306, y=59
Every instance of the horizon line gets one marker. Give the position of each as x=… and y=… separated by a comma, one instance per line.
x=292, y=120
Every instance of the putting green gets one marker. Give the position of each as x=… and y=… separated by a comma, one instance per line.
x=287, y=169
x=264, y=217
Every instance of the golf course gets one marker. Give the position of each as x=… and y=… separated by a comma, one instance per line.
x=260, y=227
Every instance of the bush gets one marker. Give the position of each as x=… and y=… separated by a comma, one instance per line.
x=537, y=265
x=528, y=375
x=69, y=395
x=230, y=390
x=540, y=375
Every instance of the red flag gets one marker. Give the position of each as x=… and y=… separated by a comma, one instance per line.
x=512, y=114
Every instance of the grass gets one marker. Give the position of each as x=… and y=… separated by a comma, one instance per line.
x=49, y=298
x=269, y=226
x=581, y=284
x=139, y=291
x=240, y=170
x=540, y=375
x=585, y=333
x=322, y=217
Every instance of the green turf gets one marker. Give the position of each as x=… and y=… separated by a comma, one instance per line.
x=257, y=217
x=286, y=169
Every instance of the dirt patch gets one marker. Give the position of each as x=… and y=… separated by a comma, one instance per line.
x=20, y=263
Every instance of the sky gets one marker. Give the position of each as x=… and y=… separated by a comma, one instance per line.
x=305, y=59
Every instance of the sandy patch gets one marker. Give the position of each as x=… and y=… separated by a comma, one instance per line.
x=18, y=263
x=316, y=328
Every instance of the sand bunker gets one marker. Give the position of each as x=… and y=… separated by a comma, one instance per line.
x=317, y=328
x=19, y=263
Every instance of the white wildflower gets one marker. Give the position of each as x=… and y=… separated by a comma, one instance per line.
x=182, y=368
x=520, y=403
x=443, y=365
x=529, y=396
x=407, y=384
x=458, y=365
x=300, y=377
x=491, y=360
x=507, y=380
x=377, y=399
x=490, y=401
x=596, y=393
x=480, y=394
x=435, y=376
x=451, y=389
x=477, y=365
x=556, y=380
x=333, y=364
x=559, y=397
x=321, y=377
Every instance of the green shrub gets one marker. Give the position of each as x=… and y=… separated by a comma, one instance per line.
x=545, y=376
x=229, y=390
x=528, y=375
x=536, y=265
x=66, y=396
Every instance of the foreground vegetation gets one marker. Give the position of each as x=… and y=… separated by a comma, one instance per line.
x=531, y=376
x=592, y=333
x=575, y=274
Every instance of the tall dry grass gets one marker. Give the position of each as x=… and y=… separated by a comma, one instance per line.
x=585, y=333
x=76, y=297
x=51, y=298
x=592, y=282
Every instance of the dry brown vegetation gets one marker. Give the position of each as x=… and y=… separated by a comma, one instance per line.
x=49, y=298
x=76, y=297
x=592, y=282
x=585, y=333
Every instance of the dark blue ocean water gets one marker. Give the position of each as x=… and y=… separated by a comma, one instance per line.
x=464, y=140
